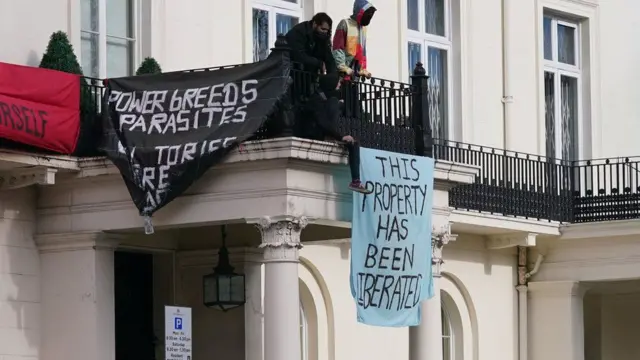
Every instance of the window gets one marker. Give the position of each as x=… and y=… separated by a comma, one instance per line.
x=561, y=88
x=304, y=335
x=429, y=36
x=270, y=18
x=447, y=336
x=108, y=37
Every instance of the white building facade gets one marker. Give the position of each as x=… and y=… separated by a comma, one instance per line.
x=551, y=78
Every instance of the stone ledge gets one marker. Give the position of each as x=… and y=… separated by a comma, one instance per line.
x=292, y=148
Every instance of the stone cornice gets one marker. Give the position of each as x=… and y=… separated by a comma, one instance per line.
x=260, y=150
x=322, y=152
x=503, y=241
x=209, y=258
x=60, y=162
x=556, y=288
x=448, y=174
x=603, y=229
x=77, y=241
x=26, y=176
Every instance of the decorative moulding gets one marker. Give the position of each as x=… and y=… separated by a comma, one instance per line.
x=23, y=177
x=90, y=240
x=503, y=241
x=209, y=258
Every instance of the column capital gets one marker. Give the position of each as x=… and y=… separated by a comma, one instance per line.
x=86, y=240
x=557, y=289
x=281, y=237
x=439, y=238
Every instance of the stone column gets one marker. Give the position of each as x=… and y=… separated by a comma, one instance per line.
x=253, y=309
x=281, y=242
x=78, y=307
x=425, y=340
x=556, y=328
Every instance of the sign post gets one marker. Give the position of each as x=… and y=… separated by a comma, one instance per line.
x=177, y=333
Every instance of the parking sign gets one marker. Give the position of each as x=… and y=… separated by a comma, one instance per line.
x=177, y=333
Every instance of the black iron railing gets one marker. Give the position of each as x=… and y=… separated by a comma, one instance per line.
x=381, y=114
x=606, y=189
x=510, y=183
x=536, y=187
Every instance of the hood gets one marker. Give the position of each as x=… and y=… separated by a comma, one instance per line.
x=359, y=7
x=329, y=82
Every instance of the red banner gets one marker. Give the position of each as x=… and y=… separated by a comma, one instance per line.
x=39, y=107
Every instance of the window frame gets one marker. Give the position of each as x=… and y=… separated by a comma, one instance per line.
x=273, y=8
x=559, y=70
x=103, y=37
x=446, y=322
x=427, y=40
x=304, y=332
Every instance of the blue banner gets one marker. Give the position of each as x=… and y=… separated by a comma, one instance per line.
x=391, y=238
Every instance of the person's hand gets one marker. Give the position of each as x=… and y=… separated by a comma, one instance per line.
x=365, y=73
x=349, y=71
x=348, y=139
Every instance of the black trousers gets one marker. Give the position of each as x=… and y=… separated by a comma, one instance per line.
x=325, y=114
x=351, y=97
x=354, y=159
x=353, y=149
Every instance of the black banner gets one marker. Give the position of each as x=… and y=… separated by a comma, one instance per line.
x=165, y=131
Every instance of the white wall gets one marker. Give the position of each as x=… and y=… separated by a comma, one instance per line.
x=619, y=54
x=27, y=25
x=215, y=333
x=19, y=277
x=616, y=339
x=199, y=33
x=479, y=282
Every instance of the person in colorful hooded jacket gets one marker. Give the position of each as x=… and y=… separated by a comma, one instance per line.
x=350, y=52
x=350, y=40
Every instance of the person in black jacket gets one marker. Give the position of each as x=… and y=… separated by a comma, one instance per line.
x=324, y=108
x=310, y=43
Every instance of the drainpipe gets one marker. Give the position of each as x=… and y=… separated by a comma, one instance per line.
x=507, y=98
x=523, y=279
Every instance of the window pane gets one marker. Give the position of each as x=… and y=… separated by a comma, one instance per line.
x=284, y=23
x=437, y=94
x=120, y=18
x=445, y=323
x=566, y=44
x=569, y=117
x=446, y=348
x=548, y=46
x=119, y=57
x=549, y=114
x=89, y=15
x=446, y=335
x=304, y=348
x=412, y=15
x=89, y=54
x=260, y=34
x=434, y=17
x=415, y=56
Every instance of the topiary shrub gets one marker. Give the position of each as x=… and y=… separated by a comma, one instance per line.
x=60, y=56
x=149, y=66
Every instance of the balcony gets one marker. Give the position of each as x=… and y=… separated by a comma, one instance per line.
x=536, y=187
x=394, y=116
